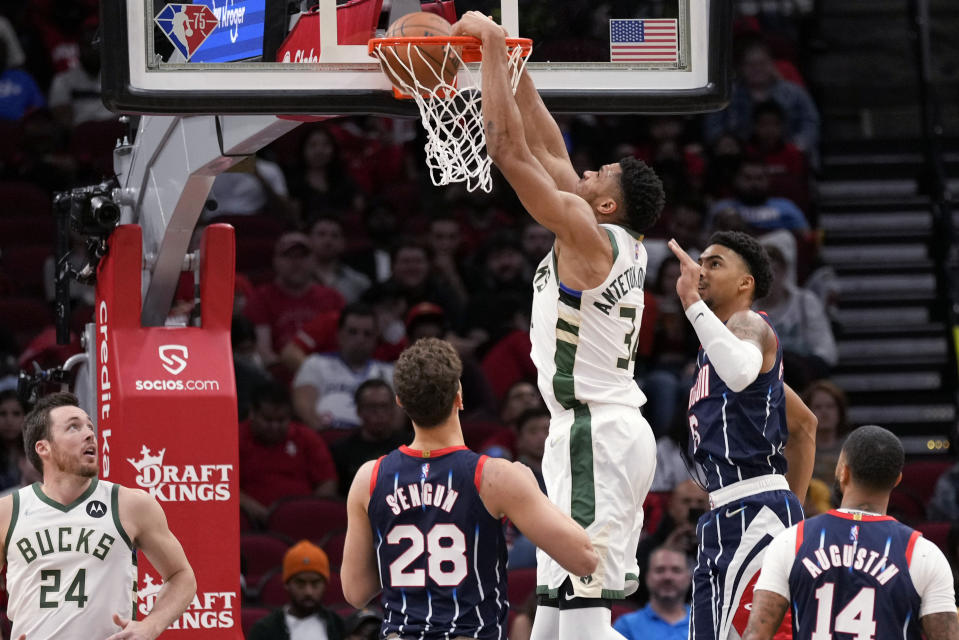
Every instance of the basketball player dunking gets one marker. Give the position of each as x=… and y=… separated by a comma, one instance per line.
x=587, y=309
x=745, y=425
x=69, y=542
x=425, y=522
x=855, y=572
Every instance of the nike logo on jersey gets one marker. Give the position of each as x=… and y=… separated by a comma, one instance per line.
x=734, y=512
x=698, y=316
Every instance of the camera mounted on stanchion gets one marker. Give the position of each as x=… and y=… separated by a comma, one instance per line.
x=93, y=213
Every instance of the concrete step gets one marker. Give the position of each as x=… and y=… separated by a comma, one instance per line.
x=877, y=256
x=902, y=414
x=883, y=317
x=896, y=224
x=889, y=287
x=867, y=189
x=891, y=351
x=893, y=382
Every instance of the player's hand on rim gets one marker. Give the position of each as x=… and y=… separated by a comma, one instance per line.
x=687, y=285
x=477, y=25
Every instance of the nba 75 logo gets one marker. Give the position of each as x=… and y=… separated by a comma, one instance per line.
x=173, y=357
x=187, y=26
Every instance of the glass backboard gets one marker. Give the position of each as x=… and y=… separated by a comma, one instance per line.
x=258, y=56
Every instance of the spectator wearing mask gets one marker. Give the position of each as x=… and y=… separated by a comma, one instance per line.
x=280, y=458
x=677, y=529
x=247, y=365
x=666, y=617
x=280, y=308
x=326, y=383
x=306, y=572
x=445, y=239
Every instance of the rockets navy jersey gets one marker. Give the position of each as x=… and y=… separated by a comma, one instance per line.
x=441, y=555
x=736, y=436
x=851, y=576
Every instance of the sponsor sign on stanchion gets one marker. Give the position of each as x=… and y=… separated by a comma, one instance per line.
x=167, y=423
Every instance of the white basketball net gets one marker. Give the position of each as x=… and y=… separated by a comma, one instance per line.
x=452, y=113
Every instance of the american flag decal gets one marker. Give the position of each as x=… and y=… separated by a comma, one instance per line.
x=636, y=40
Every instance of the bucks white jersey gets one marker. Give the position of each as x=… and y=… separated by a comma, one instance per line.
x=584, y=342
x=69, y=567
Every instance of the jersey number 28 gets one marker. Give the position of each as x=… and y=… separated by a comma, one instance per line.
x=445, y=547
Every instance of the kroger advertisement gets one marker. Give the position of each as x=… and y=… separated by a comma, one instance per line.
x=238, y=34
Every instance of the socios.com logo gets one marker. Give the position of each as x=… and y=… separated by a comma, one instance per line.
x=173, y=357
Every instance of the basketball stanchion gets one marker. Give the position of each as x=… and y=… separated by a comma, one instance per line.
x=449, y=104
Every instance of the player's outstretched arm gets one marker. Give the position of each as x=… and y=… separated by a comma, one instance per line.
x=510, y=489
x=359, y=573
x=566, y=215
x=800, y=449
x=143, y=519
x=543, y=135
x=766, y=616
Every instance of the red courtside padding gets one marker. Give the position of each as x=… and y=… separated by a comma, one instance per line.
x=166, y=409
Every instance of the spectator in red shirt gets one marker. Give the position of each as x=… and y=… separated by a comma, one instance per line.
x=280, y=458
x=280, y=308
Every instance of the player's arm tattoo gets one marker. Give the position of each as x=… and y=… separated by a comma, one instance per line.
x=940, y=626
x=767, y=615
x=748, y=326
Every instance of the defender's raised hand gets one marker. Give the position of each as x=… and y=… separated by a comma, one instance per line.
x=687, y=285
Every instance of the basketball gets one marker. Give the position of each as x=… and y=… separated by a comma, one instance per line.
x=425, y=62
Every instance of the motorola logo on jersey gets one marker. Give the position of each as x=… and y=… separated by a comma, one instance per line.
x=96, y=509
x=208, y=610
x=173, y=357
x=181, y=483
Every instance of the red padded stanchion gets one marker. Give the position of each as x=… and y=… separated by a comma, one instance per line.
x=167, y=423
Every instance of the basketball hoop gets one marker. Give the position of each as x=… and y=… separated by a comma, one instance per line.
x=450, y=107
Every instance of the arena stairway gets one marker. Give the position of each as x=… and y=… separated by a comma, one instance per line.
x=878, y=230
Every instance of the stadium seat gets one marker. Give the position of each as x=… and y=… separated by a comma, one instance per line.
x=919, y=478
x=307, y=518
x=24, y=199
x=245, y=523
x=261, y=552
x=271, y=591
x=333, y=545
x=254, y=257
x=654, y=508
x=92, y=143
x=24, y=266
x=250, y=616
x=24, y=317
x=936, y=532
x=520, y=583
x=333, y=435
x=333, y=595
x=622, y=608
x=905, y=507
x=475, y=433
